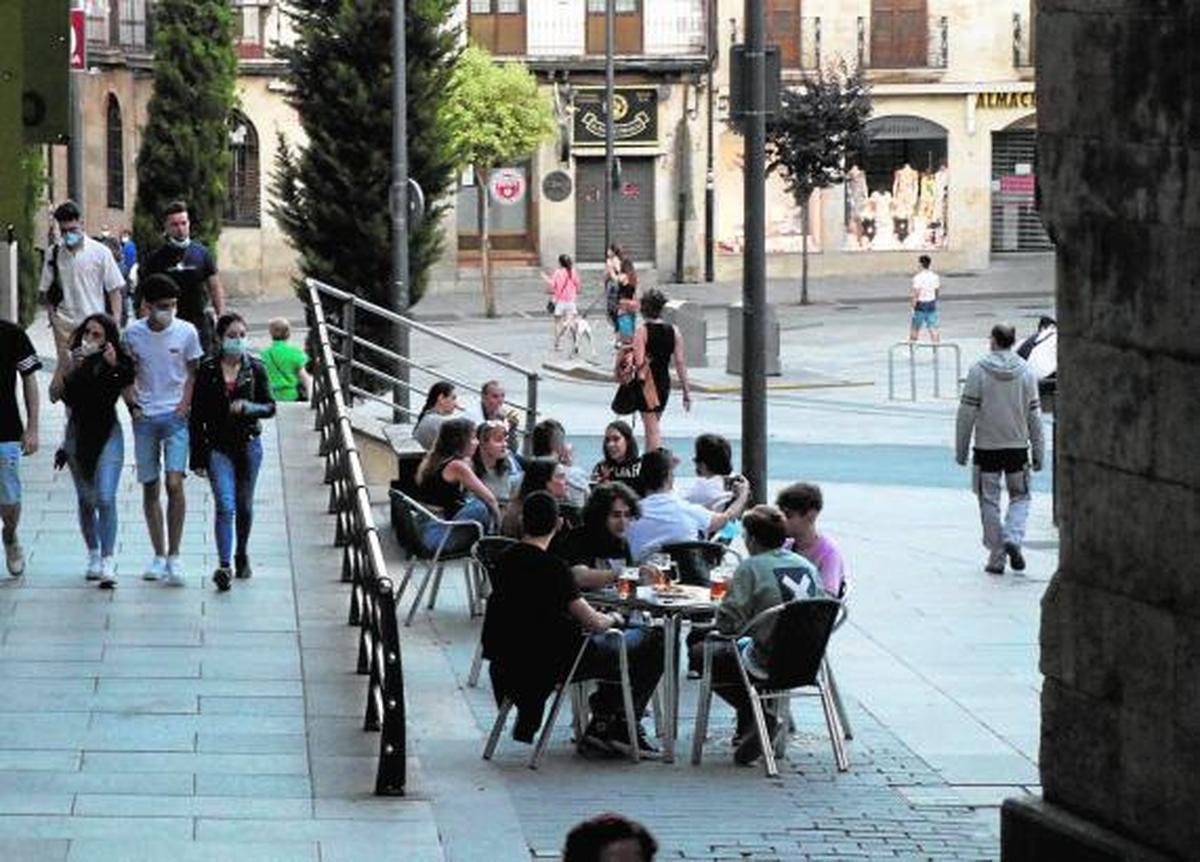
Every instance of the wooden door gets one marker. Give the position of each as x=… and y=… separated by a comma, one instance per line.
x=783, y=29
x=899, y=34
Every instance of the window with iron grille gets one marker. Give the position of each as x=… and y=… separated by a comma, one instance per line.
x=115, y=156
x=242, y=189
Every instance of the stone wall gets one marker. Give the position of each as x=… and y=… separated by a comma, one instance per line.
x=1119, y=117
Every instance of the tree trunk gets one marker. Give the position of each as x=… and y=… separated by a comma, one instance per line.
x=483, y=177
x=804, y=251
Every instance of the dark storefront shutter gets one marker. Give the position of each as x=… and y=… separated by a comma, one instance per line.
x=633, y=210
x=899, y=34
x=783, y=29
x=1016, y=225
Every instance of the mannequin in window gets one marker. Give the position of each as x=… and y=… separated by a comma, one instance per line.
x=925, y=206
x=941, y=183
x=905, y=187
x=856, y=183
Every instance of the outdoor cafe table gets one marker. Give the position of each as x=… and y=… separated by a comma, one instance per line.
x=683, y=602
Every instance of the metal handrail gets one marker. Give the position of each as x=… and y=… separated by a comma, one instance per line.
x=346, y=361
x=913, y=346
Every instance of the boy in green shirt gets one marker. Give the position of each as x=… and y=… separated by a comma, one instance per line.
x=286, y=364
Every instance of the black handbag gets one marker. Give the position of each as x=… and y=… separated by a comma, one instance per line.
x=549, y=306
x=625, y=401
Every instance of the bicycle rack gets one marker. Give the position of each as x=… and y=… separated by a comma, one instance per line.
x=913, y=347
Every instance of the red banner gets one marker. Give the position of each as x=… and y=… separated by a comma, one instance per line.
x=78, y=39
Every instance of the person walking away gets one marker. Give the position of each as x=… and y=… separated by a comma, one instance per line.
x=1000, y=407
x=286, y=364
x=655, y=346
x=233, y=392
x=98, y=370
x=165, y=353
x=17, y=357
x=532, y=631
x=80, y=277
x=563, y=288
x=192, y=267
x=769, y=576
x=923, y=296
x=801, y=504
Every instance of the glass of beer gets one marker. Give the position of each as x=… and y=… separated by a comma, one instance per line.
x=661, y=563
x=718, y=585
x=627, y=583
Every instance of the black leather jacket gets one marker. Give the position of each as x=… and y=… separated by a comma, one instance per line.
x=212, y=426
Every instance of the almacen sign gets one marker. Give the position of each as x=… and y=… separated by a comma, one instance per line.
x=1001, y=99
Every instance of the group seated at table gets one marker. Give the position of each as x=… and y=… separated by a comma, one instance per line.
x=598, y=549
x=714, y=485
x=769, y=576
x=549, y=440
x=446, y=480
x=621, y=461
x=541, y=474
x=532, y=632
x=668, y=518
x=494, y=462
x=801, y=504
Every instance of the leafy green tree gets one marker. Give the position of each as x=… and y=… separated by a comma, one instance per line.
x=495, y=116
x=185, y=144
x=810, y=142
x=331, y=196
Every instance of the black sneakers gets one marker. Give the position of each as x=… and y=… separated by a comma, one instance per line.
x=607, y=736
x=1015, y=558
x=241, y=568
x=749, y=747
x=222, y=577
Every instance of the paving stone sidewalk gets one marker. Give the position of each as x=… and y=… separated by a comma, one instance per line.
x=158, y=723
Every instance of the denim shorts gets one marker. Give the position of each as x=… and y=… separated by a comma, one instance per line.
x=10, y=473
x=925, y=314
x=160, y=443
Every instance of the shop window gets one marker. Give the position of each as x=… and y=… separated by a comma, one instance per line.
x=783, y=29
x=628, y=25
x=498, y=25
x=114, y=150
x=509, y=211
x=242, y=186
x=897, y=192
x=899, y=34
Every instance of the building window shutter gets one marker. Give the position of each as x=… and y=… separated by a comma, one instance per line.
x=783, y=29
x=899, y=34
x=242, y=187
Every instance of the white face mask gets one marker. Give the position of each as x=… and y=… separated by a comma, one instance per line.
x=163, y=316
x=90, y=347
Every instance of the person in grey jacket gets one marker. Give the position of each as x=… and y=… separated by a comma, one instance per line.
x=1000, y=407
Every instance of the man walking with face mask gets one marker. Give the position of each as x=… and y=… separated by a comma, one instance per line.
x=165, y=352
x=79, y=278
x=191, y=266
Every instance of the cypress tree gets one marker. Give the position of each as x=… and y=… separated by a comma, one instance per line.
x=185, y=144
x=330, y=197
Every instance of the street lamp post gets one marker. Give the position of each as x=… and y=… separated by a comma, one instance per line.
x=610, y=38
x=400, y=265
x=710, y=177
x=754, y=285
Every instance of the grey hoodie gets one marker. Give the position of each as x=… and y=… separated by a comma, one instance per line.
x=1000, y=404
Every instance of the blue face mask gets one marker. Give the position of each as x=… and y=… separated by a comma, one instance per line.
x=73, y=238
x=179, y=242
x=233, y=346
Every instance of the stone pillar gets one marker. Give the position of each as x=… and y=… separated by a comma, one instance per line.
x=1119, y=172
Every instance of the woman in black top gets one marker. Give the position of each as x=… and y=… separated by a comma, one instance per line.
x=621, y=459
x=597, y=549
x=656, y=345
x=97, y=370
x=447, y=481
x=231, y=395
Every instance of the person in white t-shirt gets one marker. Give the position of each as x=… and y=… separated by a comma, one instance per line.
x=165, y=351
x=923, y=296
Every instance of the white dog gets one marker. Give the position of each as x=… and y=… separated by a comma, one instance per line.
x=578, y=329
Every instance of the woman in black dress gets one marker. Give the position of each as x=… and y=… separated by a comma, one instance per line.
x=655, y=346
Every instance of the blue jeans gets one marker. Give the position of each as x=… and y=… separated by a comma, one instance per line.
x=97, y=497
x=461, y=538
x=233, y=497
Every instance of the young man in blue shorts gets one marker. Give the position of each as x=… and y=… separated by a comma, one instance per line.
x=165, y=351
x=17, y=356
x=923, y=296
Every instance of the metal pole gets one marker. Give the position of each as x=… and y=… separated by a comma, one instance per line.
x=710, y=176
x=610, y=39
x=754, y=285
x=400, y=267
x=75, y=146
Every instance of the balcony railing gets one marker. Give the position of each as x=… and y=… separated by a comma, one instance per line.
x=1022, y=48
x=922, y=43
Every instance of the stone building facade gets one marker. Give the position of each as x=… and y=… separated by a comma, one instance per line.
x=1120, y=636
x=253, y=256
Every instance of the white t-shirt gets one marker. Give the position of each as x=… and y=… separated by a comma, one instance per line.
x=161, y=359
x=926, y=284
x=709, y=492
x=1043, y=359
x=87, y=276
x=666, y=518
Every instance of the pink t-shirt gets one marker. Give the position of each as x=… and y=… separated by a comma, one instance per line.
x=824, y=554
x=564, y=286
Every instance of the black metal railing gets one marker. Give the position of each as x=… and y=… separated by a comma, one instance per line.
x=372, y=597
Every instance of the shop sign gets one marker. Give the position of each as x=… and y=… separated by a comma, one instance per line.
x=507, y=186
x=78, y=42
x=556, y=186
x=635, y=116
x=1018, y=184
x=1002, y=99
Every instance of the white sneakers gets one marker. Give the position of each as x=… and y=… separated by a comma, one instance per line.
x=174, y=575
x=92, y=572
x=108, y=573
x=155, y=569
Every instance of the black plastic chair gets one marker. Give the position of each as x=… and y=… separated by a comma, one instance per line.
x=696, y=559
x=798, y=640
x=485, y=554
